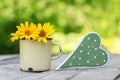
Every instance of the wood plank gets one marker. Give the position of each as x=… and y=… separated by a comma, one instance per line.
x=9, y=70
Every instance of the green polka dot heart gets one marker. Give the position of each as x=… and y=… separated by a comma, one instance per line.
x=87, y=53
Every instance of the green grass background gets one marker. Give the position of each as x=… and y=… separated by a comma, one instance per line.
x=72, y=19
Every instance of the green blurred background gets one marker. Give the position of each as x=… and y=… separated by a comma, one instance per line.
x=72, y=19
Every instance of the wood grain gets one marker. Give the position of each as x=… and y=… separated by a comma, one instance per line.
x=9, y=70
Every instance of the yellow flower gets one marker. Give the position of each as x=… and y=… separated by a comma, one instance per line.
x=31, y=32
x=26, y=31
x=15, y=36
x=44, y=32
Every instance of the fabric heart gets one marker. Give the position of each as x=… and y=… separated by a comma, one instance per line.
x=87, y=53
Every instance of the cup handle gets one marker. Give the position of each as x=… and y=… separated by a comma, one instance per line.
x=60, y=51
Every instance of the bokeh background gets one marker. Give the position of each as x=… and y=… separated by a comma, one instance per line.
x=72, y=19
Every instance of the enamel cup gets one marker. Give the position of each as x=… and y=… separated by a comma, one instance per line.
x=36, y=56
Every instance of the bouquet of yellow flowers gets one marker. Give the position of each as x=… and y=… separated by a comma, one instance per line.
x=33, y=32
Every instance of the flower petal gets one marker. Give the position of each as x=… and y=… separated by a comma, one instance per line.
x=39, y=26
x=44, y=39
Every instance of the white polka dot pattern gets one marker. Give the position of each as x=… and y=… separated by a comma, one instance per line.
x=88, y=53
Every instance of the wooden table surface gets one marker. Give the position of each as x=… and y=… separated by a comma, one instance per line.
x=9, y=70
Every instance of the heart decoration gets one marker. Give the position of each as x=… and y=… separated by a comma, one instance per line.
x=87, y=53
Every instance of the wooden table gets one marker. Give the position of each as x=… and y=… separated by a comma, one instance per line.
x=9, y=70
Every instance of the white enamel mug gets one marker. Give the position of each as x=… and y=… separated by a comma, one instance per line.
x=36, y=56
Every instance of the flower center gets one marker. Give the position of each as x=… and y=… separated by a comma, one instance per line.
x=42, y=33
x=27, y=32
